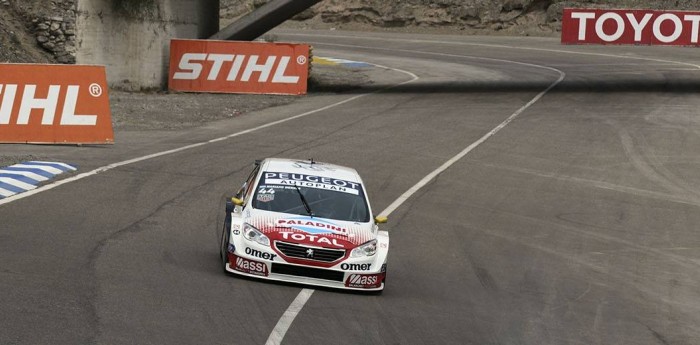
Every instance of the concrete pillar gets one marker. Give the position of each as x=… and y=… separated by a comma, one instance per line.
x=131, y=37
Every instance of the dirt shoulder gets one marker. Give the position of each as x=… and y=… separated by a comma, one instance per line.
x=172, y=111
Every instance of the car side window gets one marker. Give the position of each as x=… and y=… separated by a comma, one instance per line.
x=247, y=186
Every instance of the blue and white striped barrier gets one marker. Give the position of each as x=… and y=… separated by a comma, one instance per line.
x=26, y=176
x=340, y=62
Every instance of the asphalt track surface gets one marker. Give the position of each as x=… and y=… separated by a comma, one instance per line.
x=576, y=223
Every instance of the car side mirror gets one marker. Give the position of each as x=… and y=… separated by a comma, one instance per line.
x=237, y=201
x=381, y=219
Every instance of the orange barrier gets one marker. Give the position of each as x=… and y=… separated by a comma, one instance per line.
x=238, y=67
x=54, y=104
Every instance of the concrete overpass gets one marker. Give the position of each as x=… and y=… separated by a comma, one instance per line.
x=131, y=37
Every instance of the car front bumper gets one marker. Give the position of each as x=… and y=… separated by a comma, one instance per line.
x=241, y=264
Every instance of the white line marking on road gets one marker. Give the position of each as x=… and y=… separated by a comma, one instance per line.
x=192, y=146
x=391, y=208
x=288, y=317
x=277, y=334
x=682, y=69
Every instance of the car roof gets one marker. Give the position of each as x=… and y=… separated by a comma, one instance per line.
x=310, y=167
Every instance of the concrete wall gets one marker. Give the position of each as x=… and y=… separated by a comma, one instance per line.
x=131, y=37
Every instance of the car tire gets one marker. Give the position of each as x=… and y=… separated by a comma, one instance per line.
x=223, y=247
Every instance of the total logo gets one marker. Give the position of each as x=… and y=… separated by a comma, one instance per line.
x=259, y=254
x=298, y=236
x=250, y=267
x=314, y=226
x=363, y=281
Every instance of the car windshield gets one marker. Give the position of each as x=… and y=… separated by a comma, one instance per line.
x=325, y=200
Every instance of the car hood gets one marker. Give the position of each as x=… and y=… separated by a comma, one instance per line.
x=313, y=231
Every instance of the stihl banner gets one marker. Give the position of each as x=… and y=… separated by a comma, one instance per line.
x=644, y=27
x=54, y=104
x=238, y=67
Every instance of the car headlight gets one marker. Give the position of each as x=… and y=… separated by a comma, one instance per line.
x=367, y=249
x=253, y=234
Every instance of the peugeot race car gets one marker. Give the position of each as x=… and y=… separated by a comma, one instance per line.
x=305, y=222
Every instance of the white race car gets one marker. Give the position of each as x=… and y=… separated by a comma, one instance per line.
x=305, y=222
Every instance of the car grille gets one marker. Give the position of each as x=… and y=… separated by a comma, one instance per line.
x=308, y=272
x=319, y=254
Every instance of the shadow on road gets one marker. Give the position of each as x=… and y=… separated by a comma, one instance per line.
x=587, y=86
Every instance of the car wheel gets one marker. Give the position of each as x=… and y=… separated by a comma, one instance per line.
x=225, y=233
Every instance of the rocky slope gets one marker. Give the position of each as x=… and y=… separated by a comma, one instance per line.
x=17, y=44
x=529, y=17
x=37, y=31
x=43, y=31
